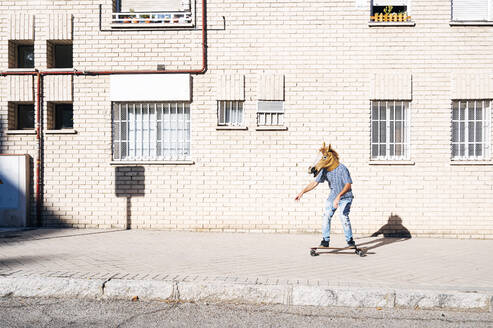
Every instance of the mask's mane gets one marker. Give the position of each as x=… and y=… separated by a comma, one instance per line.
x=327, y=152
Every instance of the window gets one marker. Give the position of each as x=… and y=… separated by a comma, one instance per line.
x=152, y=13
x=270, y=113
x=60, y=54
x=64, y=116
x=390, y=11
x=471, y=134
x=24, y=116
x=151, y=131
x=390, y=130
x=472, y=10
x=21, y=54
x=60, y=116
x=229, y=113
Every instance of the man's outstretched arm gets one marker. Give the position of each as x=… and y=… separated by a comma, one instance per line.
x=309, y=187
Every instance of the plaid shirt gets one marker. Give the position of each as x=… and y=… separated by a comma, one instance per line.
x=337, y=179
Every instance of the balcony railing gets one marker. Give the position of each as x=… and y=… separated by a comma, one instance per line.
x=152, y=19
x=390, y=17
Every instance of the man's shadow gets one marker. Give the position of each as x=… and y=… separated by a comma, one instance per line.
x=393, y=231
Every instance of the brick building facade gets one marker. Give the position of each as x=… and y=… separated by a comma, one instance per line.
x=404, y=99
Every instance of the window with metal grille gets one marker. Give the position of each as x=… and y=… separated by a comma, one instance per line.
x=270, y=113
x=152, y=5
x=153, y=13
x=151, y=131
x=390, y=130
x=230, y=113
x=471, y=134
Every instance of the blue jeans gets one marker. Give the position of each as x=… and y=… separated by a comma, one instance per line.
x=344, y=208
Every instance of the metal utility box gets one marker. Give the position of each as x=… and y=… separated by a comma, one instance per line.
x=14, y=190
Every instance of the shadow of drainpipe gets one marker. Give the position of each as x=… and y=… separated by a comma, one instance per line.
x=129, y=182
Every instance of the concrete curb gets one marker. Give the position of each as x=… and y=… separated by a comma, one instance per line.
x=232, y=292
x=348, y=297
x=51, y=287
x=227, y=292
x=144, y=289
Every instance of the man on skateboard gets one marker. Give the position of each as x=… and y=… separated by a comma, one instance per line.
x=339, y=179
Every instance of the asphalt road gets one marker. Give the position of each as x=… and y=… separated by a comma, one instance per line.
x=44, y=312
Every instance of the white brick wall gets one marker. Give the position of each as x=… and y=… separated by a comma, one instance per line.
x=391, y=86
x=58, y=87
x=60, y=26
x=247, y=180
x=20, y=88
x=21, y=26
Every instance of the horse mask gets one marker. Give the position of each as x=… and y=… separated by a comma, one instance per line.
x=327, y=159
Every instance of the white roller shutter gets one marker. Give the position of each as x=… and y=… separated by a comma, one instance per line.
x=150, y=87
x=472, y=10
x=156, y=5
x=390, y=2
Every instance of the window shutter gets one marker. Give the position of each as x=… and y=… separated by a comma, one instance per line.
x=270, y=87
x=270, y=106
x=390, y=2
x=472, y=10
x=155, y=5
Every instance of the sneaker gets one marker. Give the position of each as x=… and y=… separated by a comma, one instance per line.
x=324, y=243
x=351, y=243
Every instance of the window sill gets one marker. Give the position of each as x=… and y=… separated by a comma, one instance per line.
x=271, y=128
x=132, y=26
x=231, y=128
x=20, y=70
x=465, y=162
x=64, y=131
x=21, y=132
x=470, y=23
x=152, y=163
x=68, y=70
x=388, y=162
x=393, y=24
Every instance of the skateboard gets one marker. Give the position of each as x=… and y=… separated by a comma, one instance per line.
x=357, y=251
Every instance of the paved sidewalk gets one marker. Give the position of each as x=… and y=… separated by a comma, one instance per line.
x=424, y=266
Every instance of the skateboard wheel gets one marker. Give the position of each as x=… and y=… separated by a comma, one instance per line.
x=313, y=253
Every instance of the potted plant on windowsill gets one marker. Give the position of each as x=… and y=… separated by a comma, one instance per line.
x=133, y=17
x=147, y=18
x=389, y=16
x=125, y=19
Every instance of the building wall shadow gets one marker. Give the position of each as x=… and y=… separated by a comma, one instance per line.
x=3, y=132
x=129, y=183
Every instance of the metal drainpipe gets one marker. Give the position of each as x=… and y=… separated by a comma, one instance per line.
x=39, y=145
x=39, y=76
